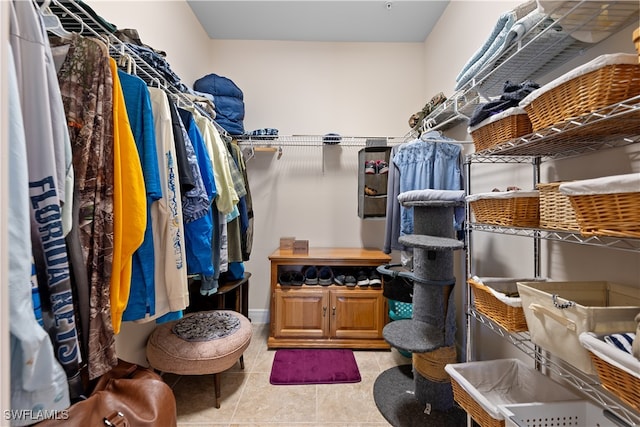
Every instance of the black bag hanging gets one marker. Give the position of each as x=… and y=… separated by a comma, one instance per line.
x=397, y=284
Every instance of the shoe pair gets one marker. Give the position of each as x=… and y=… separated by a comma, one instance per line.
x=314, y=276
x=291, y=278
x=368, y=277
x=345, y=280
x=364, y=278
x=375, y=166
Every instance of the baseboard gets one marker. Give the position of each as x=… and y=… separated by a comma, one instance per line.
x=259, y=316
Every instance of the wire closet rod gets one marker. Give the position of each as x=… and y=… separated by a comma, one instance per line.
x=124, y=54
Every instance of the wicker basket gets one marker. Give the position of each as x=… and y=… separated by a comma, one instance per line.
x=583, y=94
x=609, y=362
x=608, y=206
x=482, y=387
x=556, y=211
x=618, y=381
x=431, y=364
x=498, y=131
x=472, y=407
x=509, y=317
x=515, y=211
x=616, y=215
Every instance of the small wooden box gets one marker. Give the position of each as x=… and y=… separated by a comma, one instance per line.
x=301, y=247
x=286, y=243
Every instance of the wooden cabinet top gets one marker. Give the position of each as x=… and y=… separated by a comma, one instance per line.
x=335, y=256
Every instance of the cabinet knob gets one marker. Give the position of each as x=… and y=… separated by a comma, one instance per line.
x=324, y=311
x=333, y=311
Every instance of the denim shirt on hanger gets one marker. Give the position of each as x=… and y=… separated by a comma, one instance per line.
x=427, y=163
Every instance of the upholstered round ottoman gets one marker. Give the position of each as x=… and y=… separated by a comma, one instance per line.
x=202, y=343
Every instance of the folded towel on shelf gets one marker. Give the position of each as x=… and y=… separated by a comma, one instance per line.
x=431, y=195
x=622, y=341
x=509, y=28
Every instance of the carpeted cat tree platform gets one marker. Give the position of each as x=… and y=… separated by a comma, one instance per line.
x=421, y=394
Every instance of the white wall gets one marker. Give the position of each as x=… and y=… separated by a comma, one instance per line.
x=302, y=88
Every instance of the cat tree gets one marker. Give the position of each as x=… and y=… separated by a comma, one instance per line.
x=421, y=394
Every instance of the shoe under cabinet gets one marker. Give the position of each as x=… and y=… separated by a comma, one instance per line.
x=335, y=314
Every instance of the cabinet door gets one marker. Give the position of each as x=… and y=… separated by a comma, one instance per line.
x=301, y=313
x=357, y=313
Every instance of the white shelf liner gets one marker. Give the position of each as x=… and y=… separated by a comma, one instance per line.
x=628, y=183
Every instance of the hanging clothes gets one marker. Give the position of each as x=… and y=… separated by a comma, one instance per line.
x=38, y=381
x=431, y=162
x=86, y=86
x=227, y=193
x=199, y=228
x=142, y=292
x=129, y=203
x=48, y=170
x=245, y=207
x=172, y=286
x=185, y=173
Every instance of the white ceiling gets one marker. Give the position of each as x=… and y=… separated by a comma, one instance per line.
x=324, y=20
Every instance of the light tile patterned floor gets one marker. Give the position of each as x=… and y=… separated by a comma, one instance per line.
x=248, y=399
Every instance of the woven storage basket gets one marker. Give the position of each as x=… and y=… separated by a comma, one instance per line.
x=556, y=211
x=612, y=208
x=614, y=378
x=431, y=364
x=584, y=93
x=618, y=381
x=519, y=209
x=481, y=387
x=509, y=317
x=494, y=132
x=472, y=407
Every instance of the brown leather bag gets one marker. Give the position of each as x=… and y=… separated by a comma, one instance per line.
x=127, y=396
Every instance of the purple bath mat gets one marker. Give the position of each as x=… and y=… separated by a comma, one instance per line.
x=314, y=366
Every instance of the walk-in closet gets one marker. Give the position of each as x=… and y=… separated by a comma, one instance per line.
x=320, y=213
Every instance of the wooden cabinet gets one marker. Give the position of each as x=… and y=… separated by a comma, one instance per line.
x=327, y=316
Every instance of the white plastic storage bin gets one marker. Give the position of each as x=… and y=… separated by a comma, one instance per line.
x=555, y=414
x=480, y=388
x=558, y=312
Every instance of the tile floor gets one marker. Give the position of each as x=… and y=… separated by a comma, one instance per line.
x=248, y=399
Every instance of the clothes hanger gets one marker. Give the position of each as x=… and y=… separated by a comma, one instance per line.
x=51, y=22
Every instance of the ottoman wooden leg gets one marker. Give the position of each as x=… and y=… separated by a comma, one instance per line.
x=216, y=386
x=242, y=362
